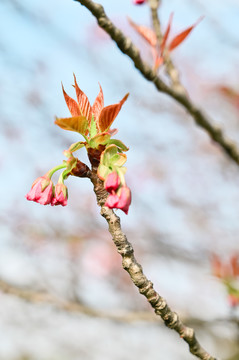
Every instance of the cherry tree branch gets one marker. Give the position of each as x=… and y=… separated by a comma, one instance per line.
x=127, y=47
x=145, y=286
x=73, y=306
x=43, y=297
x=169, y=65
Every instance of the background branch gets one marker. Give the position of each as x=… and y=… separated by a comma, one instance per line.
x=169, y=65
x=43, y=297
x=127, y=47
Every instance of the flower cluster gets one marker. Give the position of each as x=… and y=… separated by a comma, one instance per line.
x=119, y=194
x=44, y=192
x=228, y=273
x=105, y=153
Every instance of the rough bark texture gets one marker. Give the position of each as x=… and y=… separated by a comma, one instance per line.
x=145, y=286
x=127, y=47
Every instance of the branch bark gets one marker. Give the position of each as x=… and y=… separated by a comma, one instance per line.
x=127, y=47
x=145, y=286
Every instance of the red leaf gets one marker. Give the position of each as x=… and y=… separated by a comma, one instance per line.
x=235, y=265
x=178, y=39
x=158, y=59
x=231, y=94
x=166, y=34
x=147, y=33
x=109, y=113
x=71, y=103
x=158, y=62
x=98, y=104
x=83, y=102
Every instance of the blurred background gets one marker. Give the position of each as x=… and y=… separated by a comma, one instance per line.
x=63, y=292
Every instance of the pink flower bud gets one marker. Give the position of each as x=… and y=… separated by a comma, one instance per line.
x=41, y=191
x=138, y=2
x=112, y=201
x=120, y=201
x=112, y=182
x=124, y=199
x=61, y=195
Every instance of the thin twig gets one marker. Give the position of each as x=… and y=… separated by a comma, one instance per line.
x=43, y=297
x=73, y=306
x=169, y=65
x=145, y=286
x=127, y=47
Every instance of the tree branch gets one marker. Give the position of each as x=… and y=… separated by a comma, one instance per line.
x=127, y=47
x=169, y=65
x=145, y=286
x=42, y=297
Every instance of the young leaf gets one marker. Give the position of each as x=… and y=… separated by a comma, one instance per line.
x=75, y=123
x=107, y=154
x=118, y=160
x=109, y=113
x=121, y=172
x=166, y=34
x=158, y=62
x=103, y=171
x=76, y=146
x=119, y=144
x=98, y=104
x=100, y=139
x=112, y=131
x=84, y=104
x=178, y=39
x=93, y=129
x=71, y=104
x=147, y=33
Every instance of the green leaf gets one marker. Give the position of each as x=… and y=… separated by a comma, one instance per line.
x=100, y=139
x=107, y=154
x=93, y=128
x=119, y=144
x=121, y=172
x=76, y=146
x=118, y=160
x=103, y=171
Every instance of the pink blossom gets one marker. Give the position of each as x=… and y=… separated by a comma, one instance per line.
x=124, y=199
x=60, y=196
x=112, y=182
x=139, y=2
x=112, y=201
x=120, y=201
x=41, y=191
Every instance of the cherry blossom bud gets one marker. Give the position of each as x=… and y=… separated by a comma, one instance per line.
x=124, y=199
x=112, y=201
x=112, y=182
x=60, y=196
x=139, y=2
x=41, y=191
x=120, y=201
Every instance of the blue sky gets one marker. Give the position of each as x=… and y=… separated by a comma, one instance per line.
x=184, y=188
